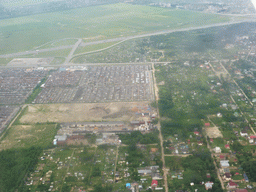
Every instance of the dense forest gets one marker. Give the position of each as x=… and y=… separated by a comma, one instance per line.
x=16, y=166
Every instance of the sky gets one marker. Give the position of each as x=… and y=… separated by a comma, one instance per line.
x=254, y=3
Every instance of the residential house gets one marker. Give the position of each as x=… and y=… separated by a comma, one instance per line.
x=145, y=171
x=217, y=150
x=128, y=185
x=200, y=143
x=224, y=163
x=232, y=185
x=241, y=190
x=154, y=184
x=196, y=133
x=227, y=176
x=245, y=177
x=208, y=185
x=227, y=146
x=243, y=133
x=252, y=139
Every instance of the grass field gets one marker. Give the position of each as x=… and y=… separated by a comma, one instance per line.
x=90, y=48
x=18, y=136
x=57, y=53
x=17, y=3
x=4, y=61
x=26, y=33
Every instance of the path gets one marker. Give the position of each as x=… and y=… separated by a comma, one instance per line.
x=116, y=163
x=14, y=119
x=159, y=129
x=67, y=169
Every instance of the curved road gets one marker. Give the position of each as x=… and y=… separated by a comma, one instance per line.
x=126, y=38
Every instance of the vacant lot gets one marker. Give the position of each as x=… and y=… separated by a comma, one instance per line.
x=115, y=20
x=84, y=112
x=213, y=132
x=28, y=135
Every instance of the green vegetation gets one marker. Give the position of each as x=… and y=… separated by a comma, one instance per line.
x=26, y=33
x=138, y=137
x=24, y=136
x=15, y=166
x=5, y=61
x=57, y=53
x=96, y=47
x=17, y=3
x=36, y=91
x=193, y=172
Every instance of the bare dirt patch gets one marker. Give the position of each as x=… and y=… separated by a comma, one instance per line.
x=118, y=111
x=213, y=132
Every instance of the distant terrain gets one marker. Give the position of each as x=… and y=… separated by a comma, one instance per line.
x=102, y=22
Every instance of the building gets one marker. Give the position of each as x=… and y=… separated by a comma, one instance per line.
x=245, y=177
x=128, y=185
x=208, y=185
x=224, y=163
x=232, y=185
x=154, y=184
x=243, y=133
x=241, y=190
x=252, y=139
x=145, y=171
x=227, y=146
x=227, y=176
x=217, y=150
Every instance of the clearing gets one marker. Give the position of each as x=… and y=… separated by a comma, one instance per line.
x=119, y=111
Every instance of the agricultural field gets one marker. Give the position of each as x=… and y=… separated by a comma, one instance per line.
x=119, y=111
x=115, y=20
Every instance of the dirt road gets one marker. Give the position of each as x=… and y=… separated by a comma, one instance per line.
x=159, y=129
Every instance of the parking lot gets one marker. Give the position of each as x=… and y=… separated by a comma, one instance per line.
x=6, y=114
x=17, y=84
x=98, y=84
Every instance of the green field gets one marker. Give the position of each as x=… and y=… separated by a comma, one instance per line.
x=23, y=136
x=115, y=20
x=17, y=3
x=96, y=47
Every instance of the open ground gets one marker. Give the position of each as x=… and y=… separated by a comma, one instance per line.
x=119, y=111
x=107, y=21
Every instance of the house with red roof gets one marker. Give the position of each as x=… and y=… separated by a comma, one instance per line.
x=252, y=139
x=154, y=183
x=227, y=146
x=222, y=157
x=232, y=185
x=241, y=190
x=196, y=133
x=211, y=140
x=200, y=142
x=207, y=124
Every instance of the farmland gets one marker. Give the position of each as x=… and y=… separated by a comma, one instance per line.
x=28, y=32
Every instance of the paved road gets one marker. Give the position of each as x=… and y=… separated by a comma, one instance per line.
x=127, y=38
x=70, y=55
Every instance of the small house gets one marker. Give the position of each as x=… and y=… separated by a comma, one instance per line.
x=243, y=133
x=217, y=150
x=232, y=185
x=154, y=183
x=208, y=185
